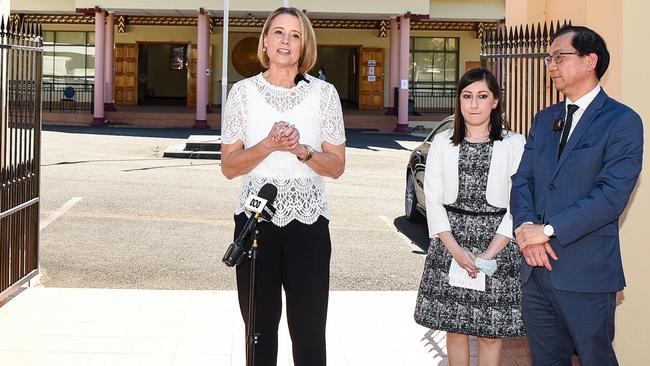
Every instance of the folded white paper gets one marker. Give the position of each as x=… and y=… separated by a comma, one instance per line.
x=458, y=277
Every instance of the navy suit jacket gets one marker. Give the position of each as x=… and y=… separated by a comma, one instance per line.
x=583, y=194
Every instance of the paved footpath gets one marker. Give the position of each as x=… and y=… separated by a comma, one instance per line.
x=110, y=327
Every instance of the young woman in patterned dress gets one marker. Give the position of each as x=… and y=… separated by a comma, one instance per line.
x=467, y=188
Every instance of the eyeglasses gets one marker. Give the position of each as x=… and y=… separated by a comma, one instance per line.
x=558, y=57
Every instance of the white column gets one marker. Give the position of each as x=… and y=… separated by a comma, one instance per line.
x=224, y=55
x=109, y=62
x=402, y=115
x=202, y=44
x=98, y=105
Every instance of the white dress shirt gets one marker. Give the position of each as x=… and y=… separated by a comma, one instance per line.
x=582, y=103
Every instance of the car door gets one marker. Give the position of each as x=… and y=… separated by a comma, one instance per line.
x=419, y=164
x=421, y=158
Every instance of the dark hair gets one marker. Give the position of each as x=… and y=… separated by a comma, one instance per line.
x=498, y=125
x=586, y=41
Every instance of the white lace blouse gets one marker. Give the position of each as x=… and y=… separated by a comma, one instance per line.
x=253, y=106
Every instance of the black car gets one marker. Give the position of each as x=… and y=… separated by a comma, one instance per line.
x=414, y=205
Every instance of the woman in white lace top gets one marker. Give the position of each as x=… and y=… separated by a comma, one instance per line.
x=288, y=132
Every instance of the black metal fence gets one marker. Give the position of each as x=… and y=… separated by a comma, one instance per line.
x=67, y=97
x=433, y=100
x=21, y=64
x=516, y=56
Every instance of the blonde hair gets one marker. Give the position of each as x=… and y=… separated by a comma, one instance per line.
x=308, y=52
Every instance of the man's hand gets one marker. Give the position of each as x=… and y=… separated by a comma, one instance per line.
x=527, y=234
x=536, y=255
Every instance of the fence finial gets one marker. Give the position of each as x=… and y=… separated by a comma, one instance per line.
x=22, y=31
x=527, y=38
x=551, y=31
x=510, y=38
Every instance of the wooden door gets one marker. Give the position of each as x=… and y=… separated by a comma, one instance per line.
x=191, y=76
x=126, y=74
x=371, y=74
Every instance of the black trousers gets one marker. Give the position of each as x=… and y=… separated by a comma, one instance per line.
x=296, y=257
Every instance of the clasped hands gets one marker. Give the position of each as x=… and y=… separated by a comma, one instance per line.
x=534, y=245
x=284, y=137
x=467, y=260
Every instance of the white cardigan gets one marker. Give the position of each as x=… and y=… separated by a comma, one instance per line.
x=441, y=179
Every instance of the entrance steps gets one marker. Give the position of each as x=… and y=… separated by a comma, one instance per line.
x=196, y=147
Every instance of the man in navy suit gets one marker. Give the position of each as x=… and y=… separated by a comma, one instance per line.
x=579, y=167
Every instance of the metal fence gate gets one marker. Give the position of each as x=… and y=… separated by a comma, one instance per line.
x=21, y=63
x=516, y=56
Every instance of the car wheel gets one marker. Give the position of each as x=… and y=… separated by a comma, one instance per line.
x=411, y=200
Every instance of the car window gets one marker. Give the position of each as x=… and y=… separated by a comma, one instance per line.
x=430, y=136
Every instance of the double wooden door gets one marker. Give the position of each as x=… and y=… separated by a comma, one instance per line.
x=126, y=75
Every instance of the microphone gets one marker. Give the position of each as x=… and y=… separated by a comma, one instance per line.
x=558, y=124
x=300, y=77
x=261, y=208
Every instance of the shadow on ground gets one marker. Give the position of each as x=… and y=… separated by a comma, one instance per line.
x=417, y=232
x=372, y=140
x=356, y=138
x=172, y=133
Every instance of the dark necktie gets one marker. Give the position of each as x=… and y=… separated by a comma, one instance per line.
x=571, y=109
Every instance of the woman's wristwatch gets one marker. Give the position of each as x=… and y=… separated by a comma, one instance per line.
x=310, y=153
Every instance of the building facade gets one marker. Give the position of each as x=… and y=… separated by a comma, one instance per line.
x=151, y=53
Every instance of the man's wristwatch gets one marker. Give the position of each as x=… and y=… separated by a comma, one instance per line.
x=548, y=230
x=310, y=153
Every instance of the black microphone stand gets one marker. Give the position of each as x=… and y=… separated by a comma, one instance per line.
x=252, y=338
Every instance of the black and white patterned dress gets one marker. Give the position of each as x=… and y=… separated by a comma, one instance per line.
x=495, y=313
